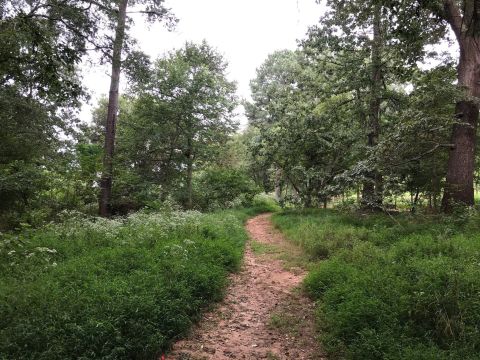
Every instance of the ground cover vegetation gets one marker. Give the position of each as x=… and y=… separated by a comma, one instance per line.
x=402, y=287
x=120, y=288
x=370, y=114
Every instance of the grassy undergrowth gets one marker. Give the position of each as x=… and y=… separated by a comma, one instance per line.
x=398, y=287
x=114, y=289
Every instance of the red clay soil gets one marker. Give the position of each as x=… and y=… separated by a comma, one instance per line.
x=263, y=316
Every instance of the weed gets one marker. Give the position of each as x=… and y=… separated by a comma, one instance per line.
x=261, y=248
x=285, y=322
x=93, y=288
x=403, y=288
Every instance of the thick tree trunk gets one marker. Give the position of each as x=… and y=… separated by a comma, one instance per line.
x=110, y=125
x=461, y=162
x=373, y=186
x=368, y=193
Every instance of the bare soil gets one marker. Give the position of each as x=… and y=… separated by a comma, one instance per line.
x=264, y=314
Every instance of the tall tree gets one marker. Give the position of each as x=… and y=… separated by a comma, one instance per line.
x=187, y=109
x=302, y=131
x=155, y=10
x=373, y=187
x=204, y=101
x=464, y=19
x=43, y=41
x=376, y=26
x=41, y=45
x=354, y=29
x=462, y=16
x=107, y=173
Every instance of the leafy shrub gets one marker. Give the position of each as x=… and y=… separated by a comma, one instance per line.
x=223, y=189
x=113, y=289
x=393, y=288
x=264, y=203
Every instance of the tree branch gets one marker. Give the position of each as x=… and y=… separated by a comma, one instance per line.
x=453, y=17
x=428, y=152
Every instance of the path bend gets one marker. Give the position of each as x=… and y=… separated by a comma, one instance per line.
x=263, y=315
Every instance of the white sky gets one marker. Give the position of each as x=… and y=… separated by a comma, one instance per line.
x=244, y=31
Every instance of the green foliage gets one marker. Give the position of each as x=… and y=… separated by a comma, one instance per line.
x=223, y=188
x=42, y=43
x=349, y=109
x=174, y=123
x=113, y=289
x=301, y=135
x=392, y=288
x=264, y=203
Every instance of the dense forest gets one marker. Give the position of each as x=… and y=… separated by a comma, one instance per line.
x=118, y=233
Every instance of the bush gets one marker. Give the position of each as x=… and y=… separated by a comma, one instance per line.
x=402, y=288
x=113, y=289
x=262, y=203
x=223, y=189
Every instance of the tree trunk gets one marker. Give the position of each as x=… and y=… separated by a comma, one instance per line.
x=105, y=208
x=295, y=193
x=415, y=201
x=308, y=201
x=373, y=186
x=189, y=204
x=278, y=185
x=461, y=162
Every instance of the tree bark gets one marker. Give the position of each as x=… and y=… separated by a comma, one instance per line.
x=372, y=196
x=105, y=206
x=415, y=201
x=461, y=163
x=189, y=154
x=308, y=201
x=278, y=185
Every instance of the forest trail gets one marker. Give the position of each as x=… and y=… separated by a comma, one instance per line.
x=264, y=315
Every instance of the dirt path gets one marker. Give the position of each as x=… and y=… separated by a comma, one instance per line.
x=263, y=316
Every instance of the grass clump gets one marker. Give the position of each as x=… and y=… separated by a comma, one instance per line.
x=262, y=203
x=259, y=248
x=285, y=322
x=392, y=288
x=113, y=289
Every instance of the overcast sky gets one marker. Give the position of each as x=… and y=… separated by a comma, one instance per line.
x=244, y=31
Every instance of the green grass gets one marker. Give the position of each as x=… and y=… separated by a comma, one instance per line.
x=262, y=249
x=286, y=323
x=261, y=203
x=398, y=287
x=114, y=289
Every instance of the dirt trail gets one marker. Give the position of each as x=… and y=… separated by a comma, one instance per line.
x=263, y=316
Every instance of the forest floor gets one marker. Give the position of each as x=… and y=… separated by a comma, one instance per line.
x=264, y=314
